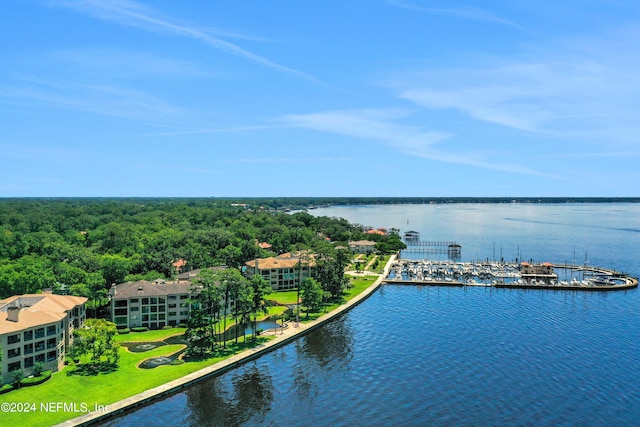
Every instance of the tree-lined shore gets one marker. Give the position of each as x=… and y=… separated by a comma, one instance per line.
x=83, y=246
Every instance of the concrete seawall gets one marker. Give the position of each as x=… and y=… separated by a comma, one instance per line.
x=288, y=335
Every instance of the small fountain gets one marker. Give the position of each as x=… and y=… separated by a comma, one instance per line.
x=139, y=347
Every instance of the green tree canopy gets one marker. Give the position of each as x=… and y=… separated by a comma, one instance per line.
x=96, y=340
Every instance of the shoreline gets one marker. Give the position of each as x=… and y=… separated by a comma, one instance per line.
x=288, y=335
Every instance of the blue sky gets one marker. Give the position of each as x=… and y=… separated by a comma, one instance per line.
x=319, y=98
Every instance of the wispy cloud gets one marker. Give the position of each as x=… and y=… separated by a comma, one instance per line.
x=112, y=64
x=133, y=14
x=291, y=160
x=559, y=93
x=217, y=130
x=463, y=12
x=381, y=126
x=111, y=82
x=106, y=99
x=21, y=152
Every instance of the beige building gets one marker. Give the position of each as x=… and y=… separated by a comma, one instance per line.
x=37, y=328
x=362, y=246
x=150, y=304
x=283, y=272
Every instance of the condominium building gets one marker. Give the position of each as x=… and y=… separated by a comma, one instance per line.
x=362, y=246
x=150, y=304
x=37, y=328
x=283, y=272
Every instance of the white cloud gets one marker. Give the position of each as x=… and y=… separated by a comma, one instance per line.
x=203, y=131
x=21, y=152
x=107, y=99
x=291, y=160
x=368, y=124
x=462, y=12
x=379, y=125
x=112, y=64
x=561, y=93
x=133, y=14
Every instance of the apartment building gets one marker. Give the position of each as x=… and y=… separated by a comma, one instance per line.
x=362, y=246
x=37, y=328
x=283, y=272
x=150, y=304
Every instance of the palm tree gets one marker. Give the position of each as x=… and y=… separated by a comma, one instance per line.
x=206, y=309
x=260, y=288
x=230, y=282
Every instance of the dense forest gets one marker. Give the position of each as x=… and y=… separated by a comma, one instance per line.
x=82, y=246
x=311, y=202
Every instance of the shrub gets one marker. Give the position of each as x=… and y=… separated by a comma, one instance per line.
x=17, y=376
x=167, y=327
x=36, y=380
x=139, y=329
x=182, y=325
x=38, y=369
x=124, y=331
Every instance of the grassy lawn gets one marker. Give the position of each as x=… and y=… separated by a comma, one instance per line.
x=128, y=380
x=157, y=335
x=358, y=284
x=104, y=389
x=275, y=311
x=382, y=262
x=286, y=297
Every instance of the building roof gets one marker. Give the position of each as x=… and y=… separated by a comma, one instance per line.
x=144, y=288
x=273, y=263
x=189, y=275
x=179, y=263
x=36, y=309
x=286, y=260
x=375, y=232
x=362, y=243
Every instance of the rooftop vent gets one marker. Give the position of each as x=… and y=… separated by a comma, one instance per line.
x=13, y=313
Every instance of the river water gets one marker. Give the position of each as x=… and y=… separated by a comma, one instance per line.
x=417, y=355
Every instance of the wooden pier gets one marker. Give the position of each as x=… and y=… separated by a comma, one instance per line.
x=422, y=243
x=433, y=247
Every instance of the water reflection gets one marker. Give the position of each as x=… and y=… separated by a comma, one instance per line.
x=450, y=356
x=240, y=398
x=325, y=349
x=331, y=344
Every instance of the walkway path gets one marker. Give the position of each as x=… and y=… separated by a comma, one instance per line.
x=289, y=334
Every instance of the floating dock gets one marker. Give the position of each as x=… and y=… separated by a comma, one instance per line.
x=507, y=275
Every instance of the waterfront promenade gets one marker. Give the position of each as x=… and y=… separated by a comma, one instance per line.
x=283, y=337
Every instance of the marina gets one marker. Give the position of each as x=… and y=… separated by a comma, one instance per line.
x=515, y=275
x=453, y=355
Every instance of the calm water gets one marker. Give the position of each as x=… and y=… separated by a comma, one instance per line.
x=413, y=355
